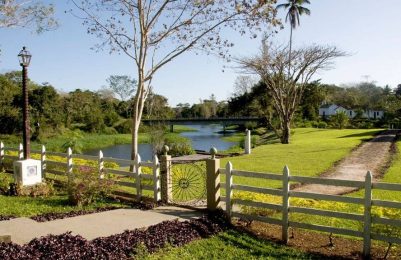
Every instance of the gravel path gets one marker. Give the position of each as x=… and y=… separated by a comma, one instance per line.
x=372, y=156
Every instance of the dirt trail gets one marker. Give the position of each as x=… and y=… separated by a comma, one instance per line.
x=373, y=155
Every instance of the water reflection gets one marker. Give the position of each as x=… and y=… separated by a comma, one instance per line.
x=203, y=139
x=208, y=136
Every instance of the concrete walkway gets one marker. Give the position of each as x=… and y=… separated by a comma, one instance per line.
x=23, y=230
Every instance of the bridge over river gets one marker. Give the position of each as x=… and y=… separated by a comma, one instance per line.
x=224, y=121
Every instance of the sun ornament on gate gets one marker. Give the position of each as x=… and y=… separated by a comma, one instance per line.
x=188, y=181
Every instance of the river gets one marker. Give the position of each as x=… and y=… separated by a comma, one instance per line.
x=203, y=139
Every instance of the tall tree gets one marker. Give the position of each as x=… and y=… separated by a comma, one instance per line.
x=286, y=91
x=295, y=10
x=155, y=32
x=123, y=86
x=27, y=13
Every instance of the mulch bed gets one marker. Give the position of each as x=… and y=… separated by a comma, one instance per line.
x=121, y=246
x=6, y=217
x=318, y=243
x=53, y=216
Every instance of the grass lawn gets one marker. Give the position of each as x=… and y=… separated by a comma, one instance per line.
x=311, y=152
x=27, y=206
x=231, y=245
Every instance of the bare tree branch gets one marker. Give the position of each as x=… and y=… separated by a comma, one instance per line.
x=155, y=32
x=272, y=65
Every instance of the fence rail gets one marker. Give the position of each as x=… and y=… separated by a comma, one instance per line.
x=66, y=167
x=285, y=209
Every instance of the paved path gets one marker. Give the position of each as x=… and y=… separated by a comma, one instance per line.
x=370, y=156
x=23, y=230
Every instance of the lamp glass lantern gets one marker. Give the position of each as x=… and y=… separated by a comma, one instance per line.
x=24, y=57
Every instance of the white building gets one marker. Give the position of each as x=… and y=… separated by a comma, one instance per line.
x=329, y=110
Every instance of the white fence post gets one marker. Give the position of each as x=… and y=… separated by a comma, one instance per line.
x=20, y=152
x=101, y=165
x=43, y=160
x=156, y=179
x=286, y=203
x=229, y=191
x=69, y=165
x=137, y=170
x=367, y=216
x=248, y=145
x=1, y=153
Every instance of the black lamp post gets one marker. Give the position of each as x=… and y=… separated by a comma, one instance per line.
x=24, y=59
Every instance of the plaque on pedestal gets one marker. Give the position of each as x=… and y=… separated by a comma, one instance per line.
x=27, y=172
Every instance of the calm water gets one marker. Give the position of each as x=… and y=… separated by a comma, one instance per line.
x=203, y=139
x=207, y=137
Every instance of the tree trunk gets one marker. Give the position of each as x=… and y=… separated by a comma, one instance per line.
x=289, y=54
x=138, y=105
x=134, y=141
x=285, y=135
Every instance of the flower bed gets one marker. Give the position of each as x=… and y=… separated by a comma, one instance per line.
x=120, y=246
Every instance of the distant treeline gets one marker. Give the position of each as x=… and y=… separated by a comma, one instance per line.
x=86, y=110
x=101, y=112
x=256, y=101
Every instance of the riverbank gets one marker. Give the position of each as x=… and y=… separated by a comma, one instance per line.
x=89, y=141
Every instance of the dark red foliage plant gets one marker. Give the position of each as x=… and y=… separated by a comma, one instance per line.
x=120, y=246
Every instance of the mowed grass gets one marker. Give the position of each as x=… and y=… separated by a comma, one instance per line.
x=392, y=175
x=27, y=206
x=231, y=245
x=311, y=152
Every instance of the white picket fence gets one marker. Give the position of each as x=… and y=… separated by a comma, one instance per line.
x=68, y=165
x=286, y=209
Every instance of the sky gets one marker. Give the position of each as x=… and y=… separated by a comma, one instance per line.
x=369, y=30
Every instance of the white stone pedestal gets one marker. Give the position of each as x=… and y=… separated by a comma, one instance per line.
x=28, y=172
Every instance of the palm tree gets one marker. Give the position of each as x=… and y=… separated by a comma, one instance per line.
x=295, y=10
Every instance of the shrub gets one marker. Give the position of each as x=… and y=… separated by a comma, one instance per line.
x=7, y=187
x=306, y=203
x=180, y=148
x=251, y=125
x=74, y=141
x=124, y=127
x=5, y=181
x=253, y=142
x=303, y=124
x=109, y=131
x=259, y=131
x=178, y=145
x=43, y=189
x=340, y=120
x=367, y=125
x=322, y=125
x=157, y=138
x=387, y=230
x=86, y=187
